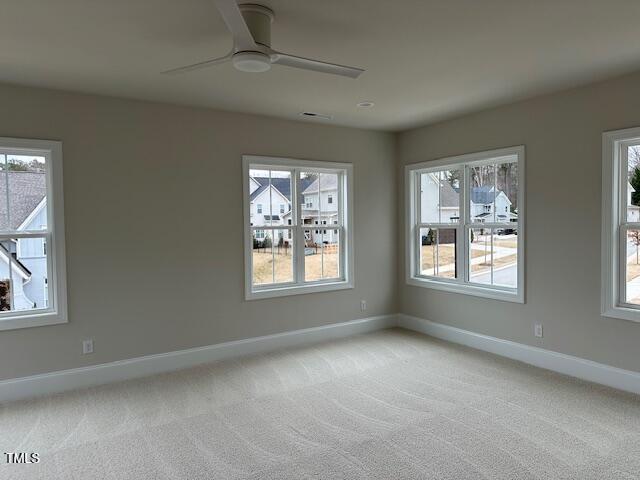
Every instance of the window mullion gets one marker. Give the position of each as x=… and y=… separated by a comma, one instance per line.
x=465, y=217
x=299, y=230
x=6, y=180
x=12, y=287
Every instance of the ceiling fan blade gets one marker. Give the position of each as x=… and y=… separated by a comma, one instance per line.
x=199, y=65
x=242, y=38
x=315, y=65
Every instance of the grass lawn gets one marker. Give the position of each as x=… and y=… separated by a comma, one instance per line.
x=506, y=243
x=446, y=257
x=263, y=266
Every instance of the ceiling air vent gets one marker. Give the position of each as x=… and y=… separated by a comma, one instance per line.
x=320, y=116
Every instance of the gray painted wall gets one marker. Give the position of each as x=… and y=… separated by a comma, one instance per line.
x=562, y=134
x=153, y=265
x=148, y=273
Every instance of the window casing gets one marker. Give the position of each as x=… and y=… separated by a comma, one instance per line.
x=458, y=236
x=620, y=283
x=32, y=250
x=294, y=256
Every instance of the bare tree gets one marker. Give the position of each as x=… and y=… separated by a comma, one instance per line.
x=634, y=235
x=633, y=157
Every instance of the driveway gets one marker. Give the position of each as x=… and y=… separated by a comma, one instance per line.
x=506, y=276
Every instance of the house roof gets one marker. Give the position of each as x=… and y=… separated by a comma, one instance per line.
x=484, y=195
x=282, y=184
x=17, y=264
x=26, y=191
x=449, y=197
x=327, y=182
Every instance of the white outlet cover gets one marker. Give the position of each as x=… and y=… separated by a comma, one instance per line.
x=87, y=346
x=537, y=330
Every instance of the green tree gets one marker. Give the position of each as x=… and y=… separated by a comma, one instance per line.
x=634, y=180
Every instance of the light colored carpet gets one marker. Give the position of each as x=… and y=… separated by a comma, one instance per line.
x=387, y=405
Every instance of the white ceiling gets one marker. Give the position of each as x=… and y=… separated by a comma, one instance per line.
x=425, y=60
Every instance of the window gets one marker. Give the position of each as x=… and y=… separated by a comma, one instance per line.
x=465, y=228
x=621, y=224
x=330, y=199
x=32, y=254
x=283, y=255
x=259, y=208
x=282, y=208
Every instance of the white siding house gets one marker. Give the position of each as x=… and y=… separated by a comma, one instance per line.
x=440, y=202
x=28, y=208
x=320, y=209
x=270, y=205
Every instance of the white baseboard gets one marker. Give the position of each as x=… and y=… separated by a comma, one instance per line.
x=559, y=362
x=55, y=382
x=60, y=381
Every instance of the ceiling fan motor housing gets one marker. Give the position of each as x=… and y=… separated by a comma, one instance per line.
x=258, y=18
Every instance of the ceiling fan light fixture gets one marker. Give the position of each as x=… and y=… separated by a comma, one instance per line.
x=253, y=62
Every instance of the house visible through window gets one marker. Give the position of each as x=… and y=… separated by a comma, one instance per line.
x=32, y=274
x=284, y=256
x=456, y=238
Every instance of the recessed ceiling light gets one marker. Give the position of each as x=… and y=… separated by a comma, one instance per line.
x=365, y=104
x=321, y=116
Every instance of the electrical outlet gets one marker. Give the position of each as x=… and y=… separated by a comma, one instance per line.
x=363, y=305
x=87, y=346
x=537, y=330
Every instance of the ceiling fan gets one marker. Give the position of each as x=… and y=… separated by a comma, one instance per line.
x=250, y=26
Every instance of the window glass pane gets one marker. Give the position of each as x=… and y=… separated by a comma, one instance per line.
x=438, y=252
x=480, y=255
x=270, y=197
x=506, y=199
x=6, y=280
x=494, y=257
x=4, y=221
x=283, y=256
x=27, y=192
x=633, y=267
x=23, y=271
x=312, y=255
x=331, y=253
x=482, y=183
x=440, y=196
x=310, y=188
x=329, y=199
x=262, y=257
x=633, y=184
x=321, y=254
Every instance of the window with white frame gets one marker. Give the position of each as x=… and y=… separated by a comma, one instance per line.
x=32, y=254
x=284, y=254
x=621, y=224
x=465, y=228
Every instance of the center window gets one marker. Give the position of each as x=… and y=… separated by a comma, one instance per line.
x=285, y=250
x=465, y=232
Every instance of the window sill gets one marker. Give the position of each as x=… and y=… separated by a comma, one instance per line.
x=466, y=289
x=32, y=320
x=622, y=313
x=297, y=290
